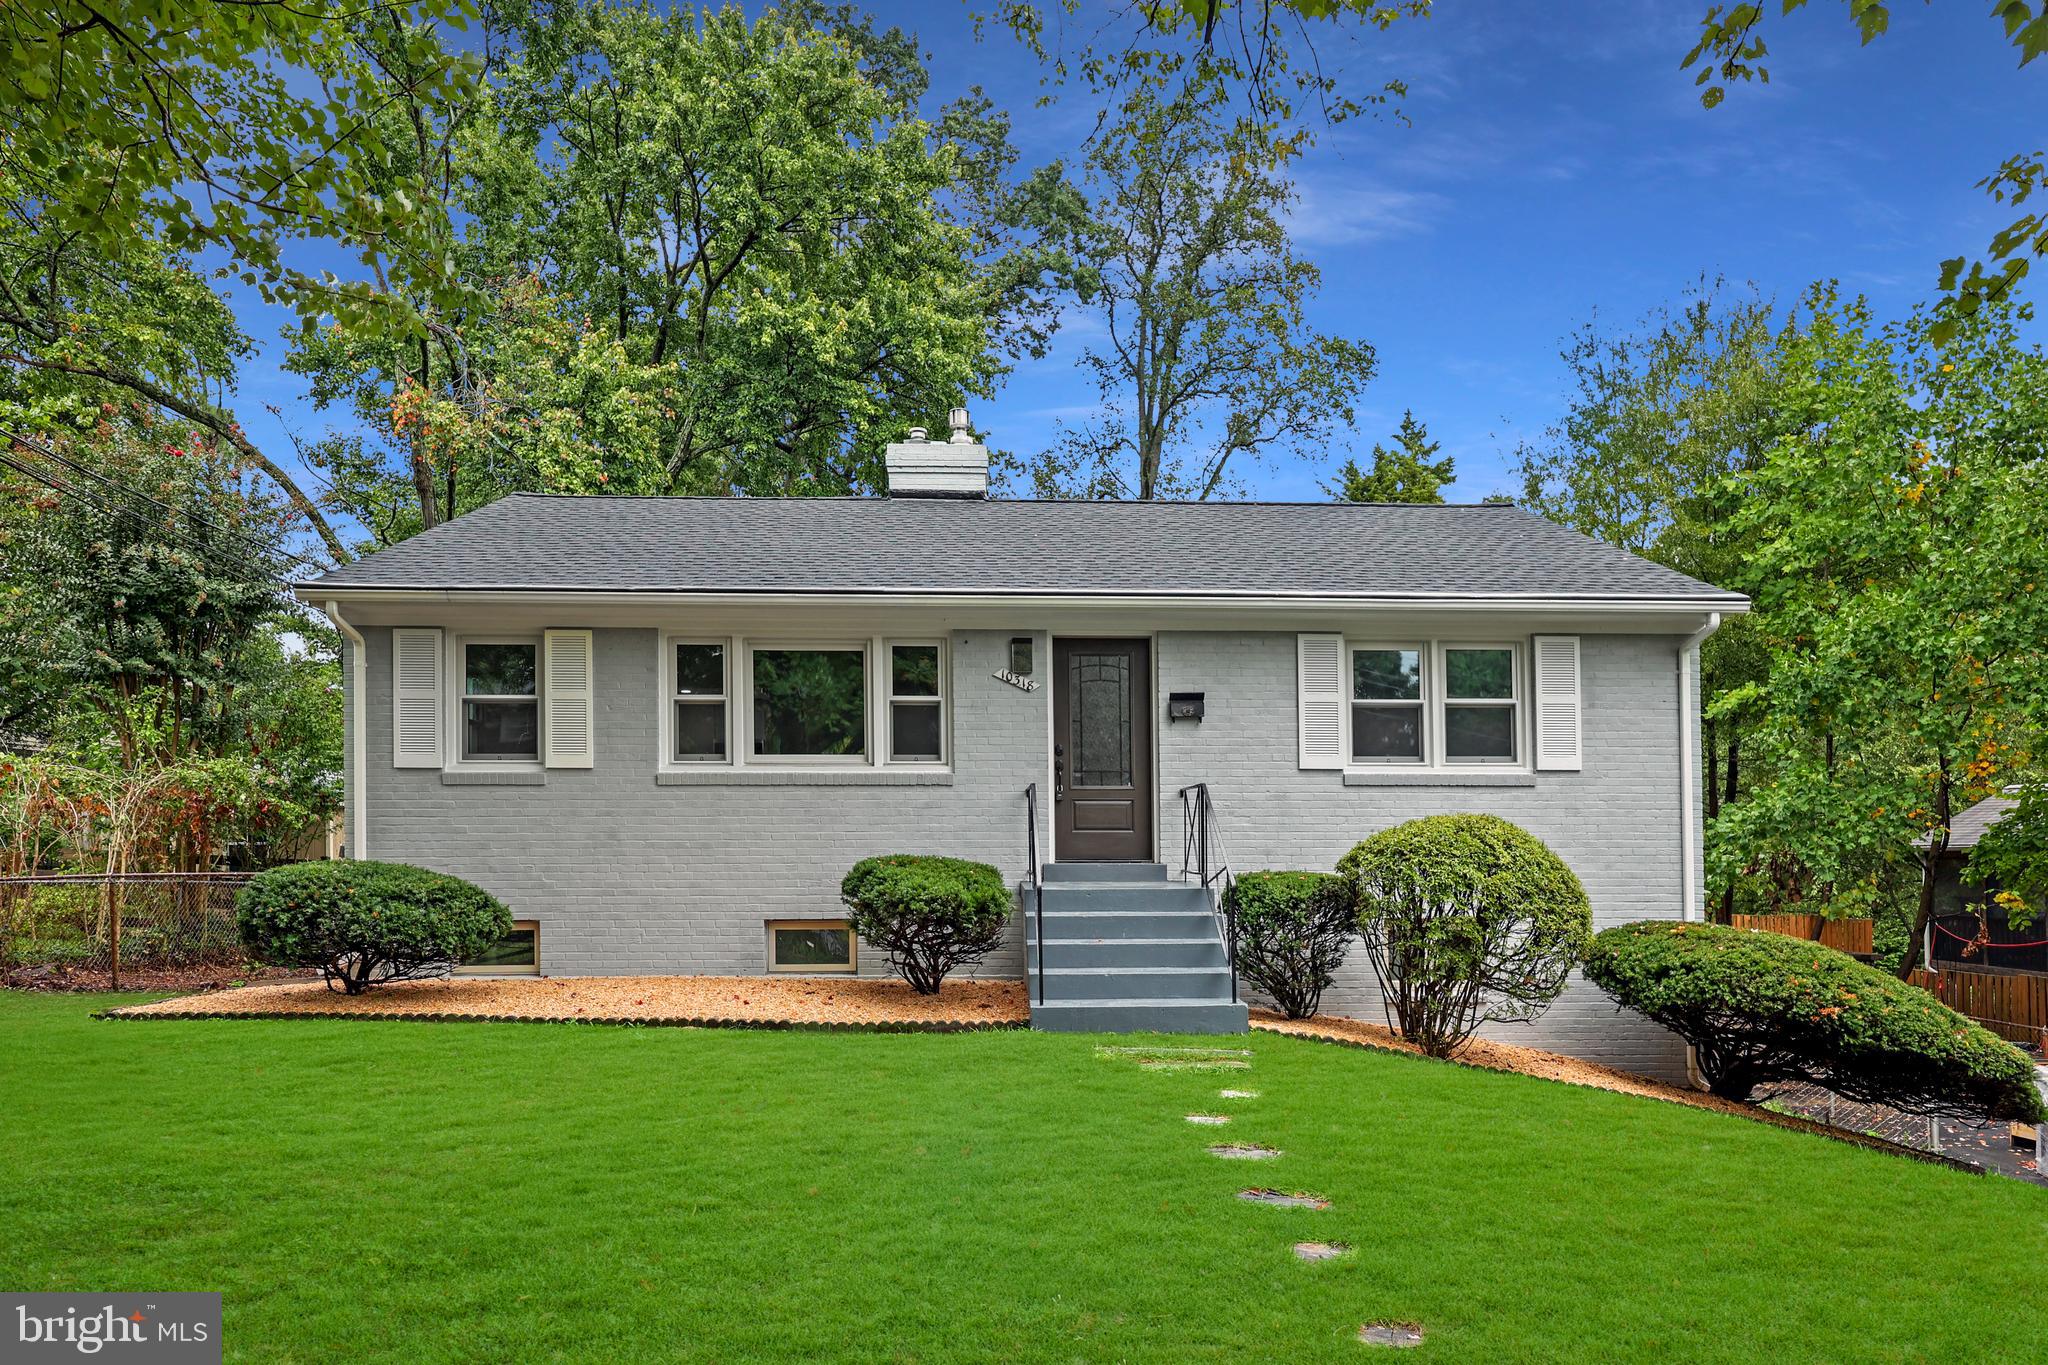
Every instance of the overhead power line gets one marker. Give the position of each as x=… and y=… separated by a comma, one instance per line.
x=72, y=490
x=260, y=544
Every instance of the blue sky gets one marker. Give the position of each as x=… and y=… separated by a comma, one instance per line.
x=1558, y=165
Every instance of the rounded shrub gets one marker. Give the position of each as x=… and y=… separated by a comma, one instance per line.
x=1293, y=929
x=931, y=915
x=1761, y=1007
x=1468, y=919
x=366, y=923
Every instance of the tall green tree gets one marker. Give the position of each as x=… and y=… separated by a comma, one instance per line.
x=1662, y=416
x=1901, y=585
x=1408, y=472
x=142, y=134
x=713, y=254
x=1207, y=364
x=144, y=638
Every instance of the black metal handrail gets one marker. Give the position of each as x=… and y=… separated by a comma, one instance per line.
x=1037, y=879
x=1198, y=833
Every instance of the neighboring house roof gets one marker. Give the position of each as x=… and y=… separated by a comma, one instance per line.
x=15, y=742
x=537, y=542
x=1968, y=826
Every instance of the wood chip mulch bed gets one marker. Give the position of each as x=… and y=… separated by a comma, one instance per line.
x=1552, y=1066
x=697, y=1001
x=185, y=980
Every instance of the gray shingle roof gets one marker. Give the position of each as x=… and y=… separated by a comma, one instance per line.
x=1966, y=827
x=926, y=545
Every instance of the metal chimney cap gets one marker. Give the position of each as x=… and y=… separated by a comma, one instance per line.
x=957, y=420
x=916, y=434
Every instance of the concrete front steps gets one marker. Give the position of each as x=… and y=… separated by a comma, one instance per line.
x=1127, y=951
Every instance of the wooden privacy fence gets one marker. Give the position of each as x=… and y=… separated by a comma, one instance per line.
x=99, y=923
x=2012, y=1005
x=1848, y=935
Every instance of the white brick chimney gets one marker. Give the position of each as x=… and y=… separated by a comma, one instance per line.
x=956, y=467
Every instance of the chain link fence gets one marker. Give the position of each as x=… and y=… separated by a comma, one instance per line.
x=103, y=924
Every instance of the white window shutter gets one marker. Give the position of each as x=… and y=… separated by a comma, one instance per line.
x=569, y=703
x=1558, y=744
x=1320, y=700
x=416, y=705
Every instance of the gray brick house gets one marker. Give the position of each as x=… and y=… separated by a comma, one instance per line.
x=662, y=728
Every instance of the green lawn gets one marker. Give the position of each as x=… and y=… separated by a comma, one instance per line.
x=440, y=1192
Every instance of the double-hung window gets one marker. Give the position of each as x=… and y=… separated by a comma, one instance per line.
x=699, y=725
x=1436, y=705
x=1388, y=704
x=500, y=700
x=1481, y=704
x=804, y=703
x=917, y=722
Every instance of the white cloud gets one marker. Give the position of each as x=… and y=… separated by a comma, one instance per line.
x=1360, y=211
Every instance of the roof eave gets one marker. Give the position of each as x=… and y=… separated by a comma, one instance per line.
x=1725, y=603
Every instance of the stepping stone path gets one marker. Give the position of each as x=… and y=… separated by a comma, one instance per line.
x=1395, y=1334
x=1181, y=1058
x=1282, y=1200
x=1321, y=1251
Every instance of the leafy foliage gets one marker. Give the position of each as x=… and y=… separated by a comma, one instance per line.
x=1293, y=930
x=119, y=112
x=1468, y=919
x=2012, y=857
x=365, y=923
x=1209, y=363
x=143, y=638
x=1762, y=1007
x=1406, y=473
x=711, y=254
x=931, y=915
x=1901, y=591
x=1732, y=47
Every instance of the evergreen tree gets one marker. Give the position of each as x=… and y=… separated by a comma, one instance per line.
x=1406, y=473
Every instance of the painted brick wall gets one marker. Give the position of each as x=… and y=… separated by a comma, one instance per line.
x=626, y=876
x=1615, y=823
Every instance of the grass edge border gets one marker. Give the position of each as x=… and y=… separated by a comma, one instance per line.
x=1756, y=1114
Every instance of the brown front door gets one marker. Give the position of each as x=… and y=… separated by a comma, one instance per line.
x=1102, y=750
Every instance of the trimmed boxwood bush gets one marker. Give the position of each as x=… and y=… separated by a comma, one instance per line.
x=930, y=914
x=1293, y=929
x=1467, y=919
x=365, y=923
x=1761, y=1007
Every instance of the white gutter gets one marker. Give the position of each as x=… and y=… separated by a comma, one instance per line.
x=1268, y=601
x=1688, y=655
x=358, y=748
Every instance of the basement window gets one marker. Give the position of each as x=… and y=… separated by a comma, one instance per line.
x=810, y=946
x=517, y=954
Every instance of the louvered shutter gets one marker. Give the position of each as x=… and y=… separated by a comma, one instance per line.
x=568, y=702
x=1558, y=743
x=416, y=707
x=1319, y=700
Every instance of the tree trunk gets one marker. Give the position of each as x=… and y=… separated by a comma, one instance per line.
x=1713, y=747
x=1930, y=871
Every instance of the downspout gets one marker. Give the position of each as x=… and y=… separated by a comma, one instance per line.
x=1688, y=651
x=358, y=748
